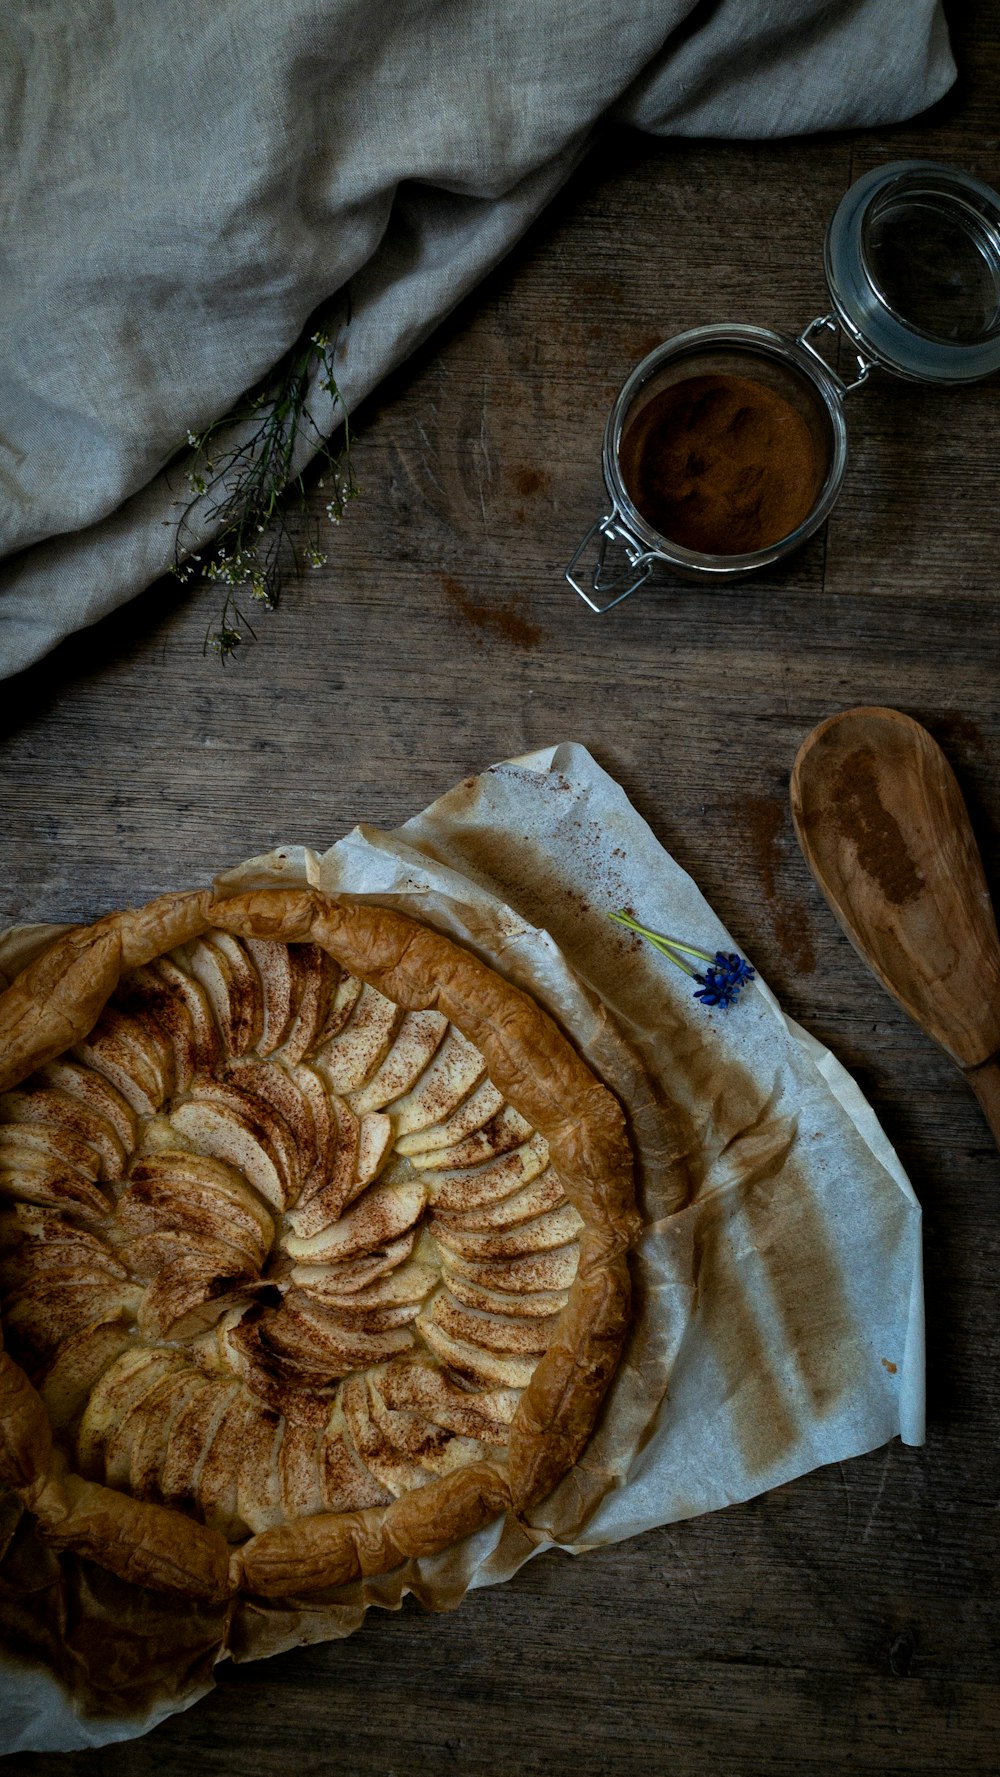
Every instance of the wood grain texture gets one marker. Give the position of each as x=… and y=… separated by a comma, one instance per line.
x=850, y=1621
x=885, y=832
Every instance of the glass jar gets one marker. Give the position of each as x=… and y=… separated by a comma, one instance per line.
x=912, y=262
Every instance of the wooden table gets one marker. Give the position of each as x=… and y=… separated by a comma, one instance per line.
x=849, y=1621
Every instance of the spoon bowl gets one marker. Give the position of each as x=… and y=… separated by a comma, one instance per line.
x=885, y=832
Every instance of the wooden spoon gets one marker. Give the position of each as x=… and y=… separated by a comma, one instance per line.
x=886, y=834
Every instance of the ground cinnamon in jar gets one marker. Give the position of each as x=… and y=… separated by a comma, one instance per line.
x=721, y=464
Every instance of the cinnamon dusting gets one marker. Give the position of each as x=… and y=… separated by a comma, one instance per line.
x=504, y=621
x=861, y=817
x=723, y=465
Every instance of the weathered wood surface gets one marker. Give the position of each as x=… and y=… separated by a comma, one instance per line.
x=851, y=1620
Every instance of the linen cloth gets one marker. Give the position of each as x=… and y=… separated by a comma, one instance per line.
x=185, y=184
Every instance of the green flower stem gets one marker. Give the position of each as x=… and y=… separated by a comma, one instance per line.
x=668, y=947
x=247, y=486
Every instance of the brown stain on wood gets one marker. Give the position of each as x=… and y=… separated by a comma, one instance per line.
x=507, y=622
x=527, y=481
x=764, y=820
x=860, y=817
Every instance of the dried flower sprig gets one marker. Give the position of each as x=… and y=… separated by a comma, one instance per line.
x=719, y=985
x=245, y=485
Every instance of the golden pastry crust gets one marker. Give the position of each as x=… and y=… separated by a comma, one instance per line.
x=54, y=1004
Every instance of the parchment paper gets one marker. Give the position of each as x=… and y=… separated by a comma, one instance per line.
x=779, y=1320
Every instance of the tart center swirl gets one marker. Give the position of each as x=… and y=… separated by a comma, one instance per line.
x=273, y=1246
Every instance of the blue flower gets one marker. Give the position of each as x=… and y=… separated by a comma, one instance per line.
x=720, y=985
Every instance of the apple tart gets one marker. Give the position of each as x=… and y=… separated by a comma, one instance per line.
x=313, y=1236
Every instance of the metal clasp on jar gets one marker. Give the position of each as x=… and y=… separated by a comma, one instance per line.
x=610, y=530
x=829, y=324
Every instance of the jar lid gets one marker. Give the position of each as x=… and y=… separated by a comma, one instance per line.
x=913, y=266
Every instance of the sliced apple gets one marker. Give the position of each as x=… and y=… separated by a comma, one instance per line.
x=40, y=1263
x=47, y=1183
x=529, y=1304
x=395, y=1472
x=472, y=1363
x=33, y=1239
x=472, y=1114
x=381, y=1215
x=136, y=1059
x=347, y=1486
x=454, y=1192
x=200, y=1193
x=270, y=1085
x=423, y=1388
x=258, y=1476
x=504, y=1132
x=218, y=1480
x=145, y=1255
x=255, y=1112
x=116, y=1392
x=417, y=1040
x=554, y=1270
x=349, y=1059
x=53, y=1108
x=418, y=1439
x=39, y=1316
x=151, y=1437
x=345, y=998
x=325, y=1206
x=355, y=1274
x=78, y=1363
x=204, y=1031
x=32, y=1144
x=456, y=1070
x=520, y=1336
x=317, y=976
x=224, y=1133
x=219, y=962
x=326, y=1131
x=374, y=1148
x=143, y=994
x=307, y=1333
x=553, y=1229
x=188, y=1297
x=300, y=1471
x=349, y=1317
x=145, y=1406
x=402, y=1287
x=289, y=1386
x=273, y=965
x=93, y=1090
x=190, y=1439
x=544, y=1193
x=400, y=1292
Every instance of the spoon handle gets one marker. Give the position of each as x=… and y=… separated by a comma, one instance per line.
x=985, y=1083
